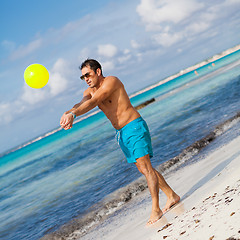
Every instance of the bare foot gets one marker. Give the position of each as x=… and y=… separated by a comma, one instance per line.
x=171, y=202
x=155, y=216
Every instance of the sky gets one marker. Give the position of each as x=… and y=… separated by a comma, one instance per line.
x=139, y=41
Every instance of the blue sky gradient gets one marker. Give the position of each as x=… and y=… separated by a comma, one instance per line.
x=139, y=41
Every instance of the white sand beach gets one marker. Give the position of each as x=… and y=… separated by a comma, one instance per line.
x=209, y=209
x=213, y=210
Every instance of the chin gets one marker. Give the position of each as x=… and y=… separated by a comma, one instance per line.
x=91, y=86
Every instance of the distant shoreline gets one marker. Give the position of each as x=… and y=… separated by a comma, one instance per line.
x=190, y=69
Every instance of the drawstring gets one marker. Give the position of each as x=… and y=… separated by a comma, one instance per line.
x=118, y=135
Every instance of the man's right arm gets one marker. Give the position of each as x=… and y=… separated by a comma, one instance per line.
x=66, y=120
x=84, y=99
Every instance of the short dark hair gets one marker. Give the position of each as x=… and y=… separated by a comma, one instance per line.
x=92, y=63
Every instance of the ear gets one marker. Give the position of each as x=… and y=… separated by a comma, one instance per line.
x=99, y=72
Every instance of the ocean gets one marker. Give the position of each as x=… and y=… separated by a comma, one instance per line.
x=68, y=180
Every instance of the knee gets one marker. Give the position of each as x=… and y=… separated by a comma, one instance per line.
x=141, y=170
x=145, y=170
x=144, y=166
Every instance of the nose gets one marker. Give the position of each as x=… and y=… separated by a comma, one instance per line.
x=87, y=81
x=86, y=78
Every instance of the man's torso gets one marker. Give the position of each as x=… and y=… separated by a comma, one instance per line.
x=117, y=106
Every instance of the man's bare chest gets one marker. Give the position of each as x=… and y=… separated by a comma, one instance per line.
x=107, y=104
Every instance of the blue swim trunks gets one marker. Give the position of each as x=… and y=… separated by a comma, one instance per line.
x=135, y=140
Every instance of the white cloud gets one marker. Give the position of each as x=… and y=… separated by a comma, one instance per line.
x=57, y=84
x=124, y=58
x=5, y=114
x=58, y=77
x=8, y=45
x=61, y=66
x=135, y=44
x=171, y=21
x=84, y=54
x=107, y=50
x=156, y=12
x=139, y=56
x=126, y=51
x=230, y=2
x=77, y=27
x=33, y=96
x=197, y=27
x=167, y=39
x=108, y=65
x=23, y=51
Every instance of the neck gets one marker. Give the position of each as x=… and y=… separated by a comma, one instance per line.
x=98, y=84
x=100, y=81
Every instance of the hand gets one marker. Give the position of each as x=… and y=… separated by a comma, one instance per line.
x=66, y=121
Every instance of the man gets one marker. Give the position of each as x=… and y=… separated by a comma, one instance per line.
x=108, y=93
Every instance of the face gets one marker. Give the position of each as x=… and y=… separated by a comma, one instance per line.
x=90, y=77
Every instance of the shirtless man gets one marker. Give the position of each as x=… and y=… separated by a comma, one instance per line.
x=108, y=93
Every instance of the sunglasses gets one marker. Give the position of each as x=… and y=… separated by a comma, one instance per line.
x=85, y=76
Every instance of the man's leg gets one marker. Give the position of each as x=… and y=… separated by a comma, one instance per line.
x=172, y=197
x=155, y=181
x=145, y=167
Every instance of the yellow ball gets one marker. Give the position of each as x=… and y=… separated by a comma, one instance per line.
x=36, y=76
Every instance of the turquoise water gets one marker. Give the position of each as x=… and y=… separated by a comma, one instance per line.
x=190, y=76
x=62, y=176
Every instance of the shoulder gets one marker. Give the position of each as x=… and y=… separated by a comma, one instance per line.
x=112, y=80
x=109, y=85
x=88, y=92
